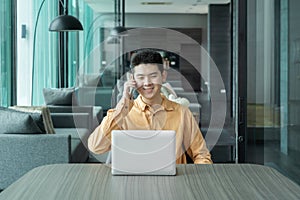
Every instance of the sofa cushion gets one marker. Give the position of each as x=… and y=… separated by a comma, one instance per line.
x=41, y=116
x=12, y=121
x=59, y=96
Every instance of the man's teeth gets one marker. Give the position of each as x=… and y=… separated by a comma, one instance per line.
x=149, y=88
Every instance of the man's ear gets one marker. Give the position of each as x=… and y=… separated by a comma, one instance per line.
x=164, y=75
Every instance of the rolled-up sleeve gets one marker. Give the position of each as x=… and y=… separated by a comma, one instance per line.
x=100, y=139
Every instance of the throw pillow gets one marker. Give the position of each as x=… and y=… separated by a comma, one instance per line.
x=12, y=121
x=59, y=96
x=41, y=116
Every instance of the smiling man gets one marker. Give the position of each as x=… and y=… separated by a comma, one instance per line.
x=151, y=111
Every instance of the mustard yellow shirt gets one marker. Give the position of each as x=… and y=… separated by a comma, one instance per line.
x=137, y=115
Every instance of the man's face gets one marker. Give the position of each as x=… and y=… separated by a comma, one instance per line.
x=149, y=80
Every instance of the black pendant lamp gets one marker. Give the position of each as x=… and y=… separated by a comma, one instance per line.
x=65, y=23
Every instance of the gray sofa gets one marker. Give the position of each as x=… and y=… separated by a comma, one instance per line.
x=20, y=153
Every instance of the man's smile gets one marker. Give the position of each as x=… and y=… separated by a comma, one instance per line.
x=148, y=88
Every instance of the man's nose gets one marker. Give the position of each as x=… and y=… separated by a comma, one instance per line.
x=147, y=80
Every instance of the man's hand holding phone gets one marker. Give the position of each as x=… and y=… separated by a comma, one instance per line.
x=129, y=86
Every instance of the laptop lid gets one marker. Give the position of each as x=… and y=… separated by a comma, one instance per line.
x=143, y=152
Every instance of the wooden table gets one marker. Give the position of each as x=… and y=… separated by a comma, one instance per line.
x=94, y=181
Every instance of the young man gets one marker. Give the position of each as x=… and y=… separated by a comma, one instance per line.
x=151, y=110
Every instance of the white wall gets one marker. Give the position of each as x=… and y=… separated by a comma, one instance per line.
x=24, y=52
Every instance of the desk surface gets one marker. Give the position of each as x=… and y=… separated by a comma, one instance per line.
x=94, y=181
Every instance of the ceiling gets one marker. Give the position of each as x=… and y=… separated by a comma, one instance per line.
x=156, y=6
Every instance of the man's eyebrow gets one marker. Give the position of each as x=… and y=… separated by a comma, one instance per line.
x=153, y=73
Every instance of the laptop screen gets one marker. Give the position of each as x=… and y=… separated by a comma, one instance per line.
x=143, y=152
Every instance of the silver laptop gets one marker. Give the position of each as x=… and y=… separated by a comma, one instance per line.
x=143, y=152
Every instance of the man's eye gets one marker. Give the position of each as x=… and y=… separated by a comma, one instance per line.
x=153, y=76
x=140, y=78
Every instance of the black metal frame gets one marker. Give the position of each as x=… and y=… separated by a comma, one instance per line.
x=242, y=80
x=63, y=40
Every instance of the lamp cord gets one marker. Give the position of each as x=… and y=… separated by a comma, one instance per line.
x=33, y=49
x=63, y=5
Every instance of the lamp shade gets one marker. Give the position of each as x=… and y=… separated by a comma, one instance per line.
x=65, y=23
x=118, y=31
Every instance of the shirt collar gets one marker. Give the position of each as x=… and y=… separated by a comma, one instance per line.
x=166, y=104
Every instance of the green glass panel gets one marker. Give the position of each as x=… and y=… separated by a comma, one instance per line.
x=5, y=52
x=45, y=51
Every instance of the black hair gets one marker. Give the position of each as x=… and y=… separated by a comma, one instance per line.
x=147, y=56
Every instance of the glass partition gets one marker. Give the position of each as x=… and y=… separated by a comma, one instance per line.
x=273, y=85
